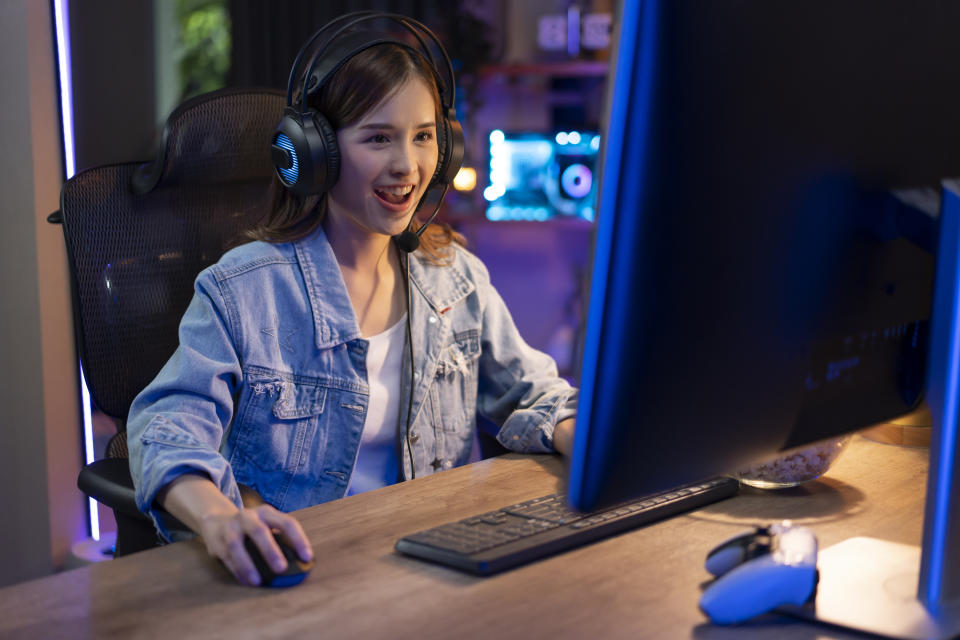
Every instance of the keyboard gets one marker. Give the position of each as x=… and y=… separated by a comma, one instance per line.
x=499, y=540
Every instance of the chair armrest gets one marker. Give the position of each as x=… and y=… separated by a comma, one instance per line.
x=108, y=481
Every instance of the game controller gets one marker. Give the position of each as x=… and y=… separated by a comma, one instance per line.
x=761, y=570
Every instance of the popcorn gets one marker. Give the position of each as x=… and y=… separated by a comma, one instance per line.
x=795, y=467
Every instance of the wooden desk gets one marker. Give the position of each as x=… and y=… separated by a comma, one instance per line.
x=643, y=584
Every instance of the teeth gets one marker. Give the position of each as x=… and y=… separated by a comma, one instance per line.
x=397, y=191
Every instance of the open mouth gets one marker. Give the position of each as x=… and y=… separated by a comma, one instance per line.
x=395, y=196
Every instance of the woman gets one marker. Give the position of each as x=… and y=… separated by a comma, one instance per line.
x=322, y=358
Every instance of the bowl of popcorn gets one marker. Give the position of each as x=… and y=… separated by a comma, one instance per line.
x=794, y=467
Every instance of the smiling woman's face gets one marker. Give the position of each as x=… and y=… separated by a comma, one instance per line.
x=387, y=158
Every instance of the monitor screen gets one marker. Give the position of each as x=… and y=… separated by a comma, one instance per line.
x=538, y=176
x=756, y=285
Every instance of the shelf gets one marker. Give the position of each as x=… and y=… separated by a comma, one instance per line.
x=573, y=68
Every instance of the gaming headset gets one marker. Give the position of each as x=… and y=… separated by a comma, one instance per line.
x=304, y=150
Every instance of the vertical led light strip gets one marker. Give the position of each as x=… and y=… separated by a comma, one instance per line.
x=66, y=113
x=66, y=86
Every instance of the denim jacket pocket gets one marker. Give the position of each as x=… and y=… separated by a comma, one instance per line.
x=161, y=431
x=279, y=421
x=455, y=385
x=299, y=401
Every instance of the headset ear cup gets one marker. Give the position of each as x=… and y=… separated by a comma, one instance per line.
x=308, y=159
x=443, y=137
x=327, y=159
x=290, y=152
x=295, y=148
x=451, y=148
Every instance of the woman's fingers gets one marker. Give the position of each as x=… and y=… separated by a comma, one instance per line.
x=226, y=537
x=234, y=555
x=293, y=534
x=257, y=529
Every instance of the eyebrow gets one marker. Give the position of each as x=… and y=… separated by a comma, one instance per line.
x=380, y=125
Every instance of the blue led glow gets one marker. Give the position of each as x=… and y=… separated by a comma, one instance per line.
x=500, y=166
x=525, y=172
x=291, y=175
x=937, y=582
x=630, y=108
x=495, y=213
x=61, y=19
x=577, y=180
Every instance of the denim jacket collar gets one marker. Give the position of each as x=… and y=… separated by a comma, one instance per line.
x=334, y=320
x=440, y=287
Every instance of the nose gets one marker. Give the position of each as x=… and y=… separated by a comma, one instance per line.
x=402, y=160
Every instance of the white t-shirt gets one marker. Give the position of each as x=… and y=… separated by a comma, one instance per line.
x=377, y=463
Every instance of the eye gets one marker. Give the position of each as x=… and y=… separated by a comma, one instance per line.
x=424, y=136
x=378, y=138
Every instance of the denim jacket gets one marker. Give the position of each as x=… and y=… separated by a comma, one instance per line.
x=268, y=387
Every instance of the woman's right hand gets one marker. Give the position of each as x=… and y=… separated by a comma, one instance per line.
x=224, y=534
x=198, y=503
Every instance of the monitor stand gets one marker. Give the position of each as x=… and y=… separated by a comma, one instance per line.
x=898, y=590
x=871, y=585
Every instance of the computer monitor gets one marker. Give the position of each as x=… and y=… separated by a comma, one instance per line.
x=761, y=280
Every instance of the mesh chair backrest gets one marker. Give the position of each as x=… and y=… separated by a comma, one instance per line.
x=133, y=257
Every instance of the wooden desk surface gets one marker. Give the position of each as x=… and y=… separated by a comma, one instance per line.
x=643, y=584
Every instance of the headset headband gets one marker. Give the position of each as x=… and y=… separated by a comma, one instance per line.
x=415, y=28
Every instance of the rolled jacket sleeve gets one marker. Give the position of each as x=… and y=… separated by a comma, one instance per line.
x=176, y=424
x=519, y=387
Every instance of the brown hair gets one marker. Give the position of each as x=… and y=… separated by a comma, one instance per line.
x=351, y=92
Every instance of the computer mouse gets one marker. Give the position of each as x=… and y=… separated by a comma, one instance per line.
x=296, y=572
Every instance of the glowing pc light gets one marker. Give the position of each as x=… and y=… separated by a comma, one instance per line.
x=466, y=179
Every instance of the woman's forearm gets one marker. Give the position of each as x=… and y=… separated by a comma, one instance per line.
x=193, y=499
x=563, y=436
